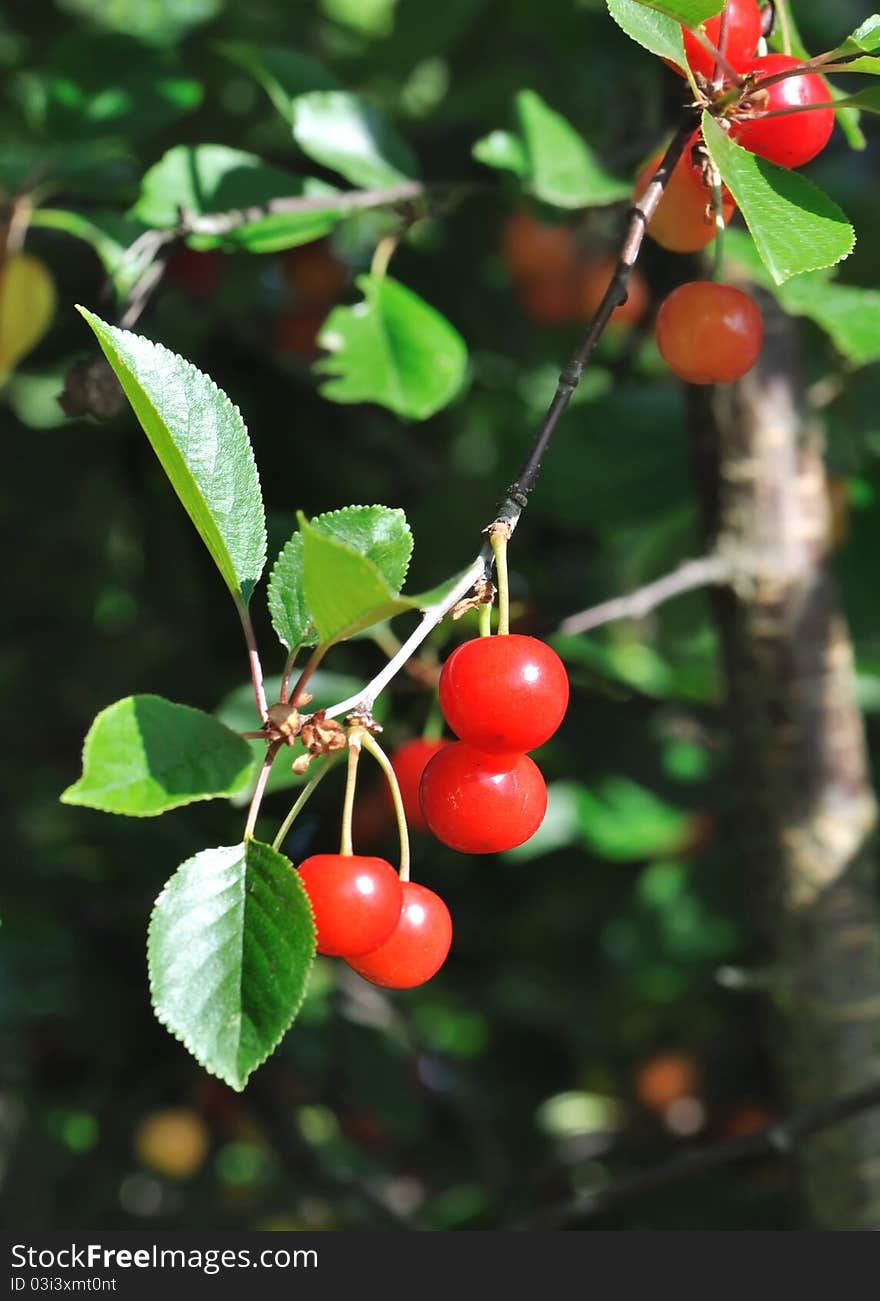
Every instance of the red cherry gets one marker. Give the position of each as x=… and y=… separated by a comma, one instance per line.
x=196, y=273
x=709, y=333
x=506, y=694
x=682, y=221
x=741, y=39
x=417, y=947
x=409, y=763
x=481, y=803
x=356, y=901
x=794, y=139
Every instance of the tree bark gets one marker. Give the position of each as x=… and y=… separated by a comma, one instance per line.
x=807, y=808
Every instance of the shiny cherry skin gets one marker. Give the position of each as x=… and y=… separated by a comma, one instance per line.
x=741, y=40
x=480, y=803
x=709, y=333
x=794, y=139
x=682, y=221
x=504, y=693
x=356, y=901
x=408, y=762
x=416, y=948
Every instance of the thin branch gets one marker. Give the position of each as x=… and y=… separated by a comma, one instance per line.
x=345, y=201
x=260, y=789
x=431, y=616
x=517, y=493
x=706, y=572
x=777, y=1139
x=254, y=661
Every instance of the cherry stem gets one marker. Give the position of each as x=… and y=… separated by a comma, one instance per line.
x=720, y=62
x=796, y=108
x=722, y=45
x=284, y=694
x=372, y=745
x=484, y=615
x=254, y=661
x=382, y=256
x=308, y=669
x=498, y=539
x=260, y=789
x=304, y=796
x=356, y=737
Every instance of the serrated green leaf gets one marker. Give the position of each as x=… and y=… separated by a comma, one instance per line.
x=392, y=348
x=655, y=32
x=689, y=12
x=282, y=73
x=203, y=446
x=849, y=314
x=203, y=180
x=795, y=226
x=144, y=755
x=343, y=589
x=380, y=533
x=562, y=168
x=351, y=137
x=287, y=603
x=865, y=39
x=504, y=150
x=231, y=944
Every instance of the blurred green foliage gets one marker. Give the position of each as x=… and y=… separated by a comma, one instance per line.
x=512, y=1078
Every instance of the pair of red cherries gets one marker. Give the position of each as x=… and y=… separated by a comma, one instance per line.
x=502, y=695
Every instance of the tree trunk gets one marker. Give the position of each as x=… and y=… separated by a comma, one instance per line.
x=807, y=806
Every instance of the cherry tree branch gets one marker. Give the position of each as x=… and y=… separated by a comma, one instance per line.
x=705, y=572
x=646, y=205
x=778, y=1139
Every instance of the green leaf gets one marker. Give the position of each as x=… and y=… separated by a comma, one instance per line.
x=504, y=150
x=865, y=39
x=622, y=821
x=849, y=314
x=145, y=755
x=203, y=446
x=654, y=31
x=392, y=348
x=551, y=158
x=283, y=74
x=380, y=533
x=231, y=944
x=351, y=137
x=795, y=226
x=161, y=22
x=343, y=589
x=205, y=180
x=689, y=12
x=287, y=603
x=101, y=84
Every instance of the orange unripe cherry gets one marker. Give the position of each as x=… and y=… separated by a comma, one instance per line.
x=683, y=221
x=709, y=333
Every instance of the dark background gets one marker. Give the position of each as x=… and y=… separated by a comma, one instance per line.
x=623, y=940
